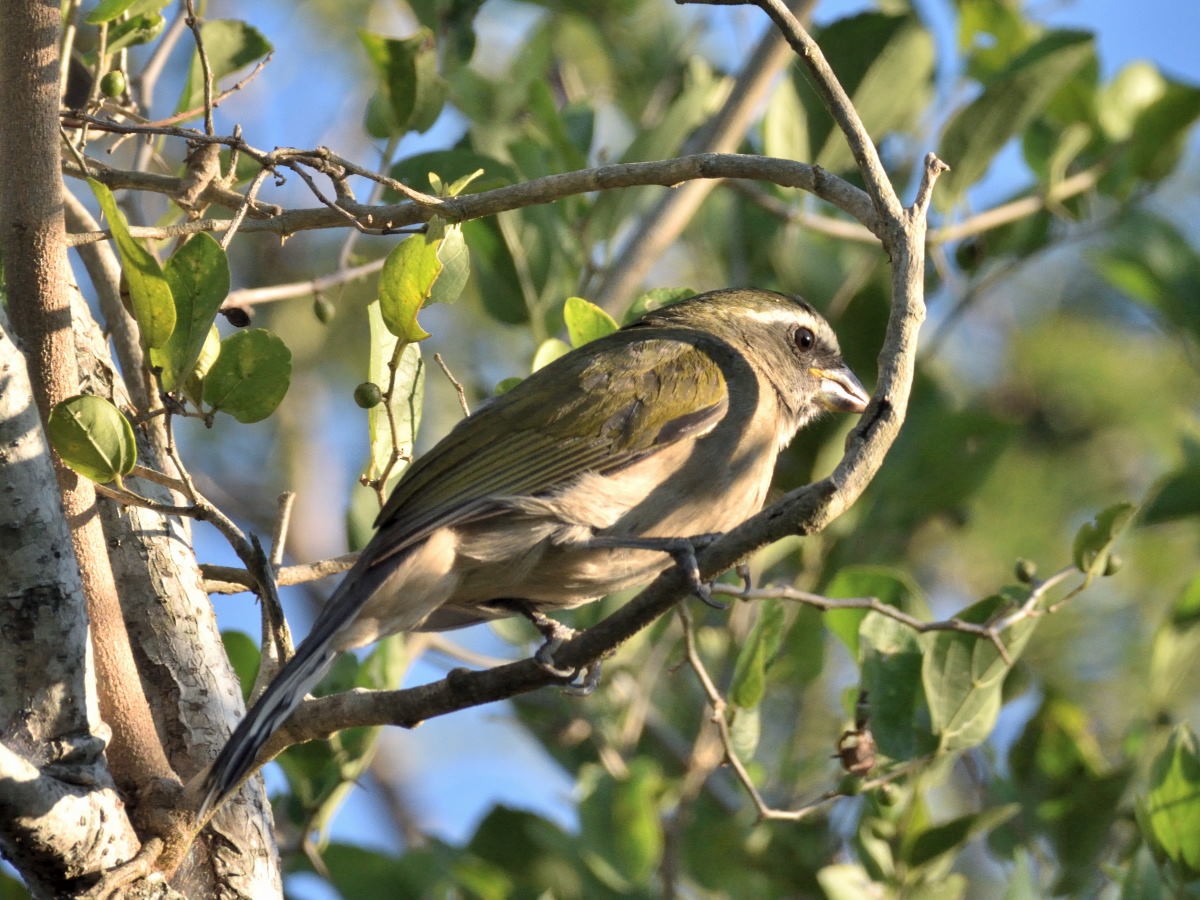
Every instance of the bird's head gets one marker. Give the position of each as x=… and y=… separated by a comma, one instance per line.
x=786, y=341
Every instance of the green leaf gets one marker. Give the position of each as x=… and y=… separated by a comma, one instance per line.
x=891, y=661
x=785, y=124
x=1093, y=542
x=251, y=375
x=885, y=64
x=407, y=69
x=230, y=45
x=656, y=298
x=750, y=670
x=149, y=292
x=245, y=658
x=1122, y=100
x=93, y=438
x=888, y=586
x=1161, y=131
x=1169, y=813
x=405, y=285
x=108, y=10
x=637, y=830
x=548, y=351
x=198, y=275
x=452, y=166
x=990, y=34
x=934, y=844
x=135, y=30
x=963, y=674
x=586, y=321
x=1153, y=263
x=406, y=402
x=1008, y=104
x=455, y=257
x=845, y=881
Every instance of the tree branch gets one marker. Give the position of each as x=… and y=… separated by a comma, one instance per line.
x=383, y=219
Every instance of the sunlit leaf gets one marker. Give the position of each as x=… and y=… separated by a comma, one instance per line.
x=93, y=437
x=230, y=45
x=405, y=284
x=250, y=377
x=198, y=274
x=586, y=321
x=133, y=31
x=455, y=257
x=149, y=292
x=108, y=10
x=548, y=351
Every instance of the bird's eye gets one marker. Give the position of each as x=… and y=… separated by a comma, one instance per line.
x=804, y=339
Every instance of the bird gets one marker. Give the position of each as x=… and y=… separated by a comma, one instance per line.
x=585, y=478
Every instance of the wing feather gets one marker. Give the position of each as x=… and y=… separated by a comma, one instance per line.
x=668, y=388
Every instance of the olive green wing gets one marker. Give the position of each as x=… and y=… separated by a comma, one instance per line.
x=666, y=387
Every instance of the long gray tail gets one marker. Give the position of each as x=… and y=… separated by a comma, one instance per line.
x=297, y=677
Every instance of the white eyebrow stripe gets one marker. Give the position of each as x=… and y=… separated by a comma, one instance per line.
x=779, y=316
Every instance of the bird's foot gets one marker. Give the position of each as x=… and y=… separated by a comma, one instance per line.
x=581, y=682
x=682, y=550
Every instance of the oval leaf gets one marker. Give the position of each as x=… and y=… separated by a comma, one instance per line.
x=149, y=293
x=963, y=675
x=198, y=273
x=405, y=284
x=93, y=438
x=586, y=321
x=251, y=375
x=1169, y=814
x=230, y=44
x=1009, y=103
x=455, y=257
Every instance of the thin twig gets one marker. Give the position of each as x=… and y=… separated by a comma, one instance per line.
x=205, y=69
x=283, y=520
x=246, y=297
x=458, y=388
x=240, y=215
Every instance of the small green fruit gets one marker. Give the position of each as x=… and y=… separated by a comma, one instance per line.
x=1113, y=565
x=113, y=83
x=323, y=310
x=1025, y=570
x=368, y=395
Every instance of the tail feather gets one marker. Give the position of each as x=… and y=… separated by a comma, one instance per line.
x=297, y=677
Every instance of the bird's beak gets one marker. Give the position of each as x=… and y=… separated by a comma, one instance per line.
x=840, y=390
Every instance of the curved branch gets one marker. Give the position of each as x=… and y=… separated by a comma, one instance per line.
x=385, y=219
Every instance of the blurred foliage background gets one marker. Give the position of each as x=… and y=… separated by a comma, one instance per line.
x=1058, y=377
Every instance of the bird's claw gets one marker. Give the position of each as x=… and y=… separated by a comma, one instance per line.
x=683, y=551
x=580, y=682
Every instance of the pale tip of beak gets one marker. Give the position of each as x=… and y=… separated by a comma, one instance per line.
x=840, y=390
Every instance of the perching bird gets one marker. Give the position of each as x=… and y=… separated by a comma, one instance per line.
x=553, y=494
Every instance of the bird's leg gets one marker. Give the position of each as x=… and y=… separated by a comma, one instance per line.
x=682, y=550
x=555, y=634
